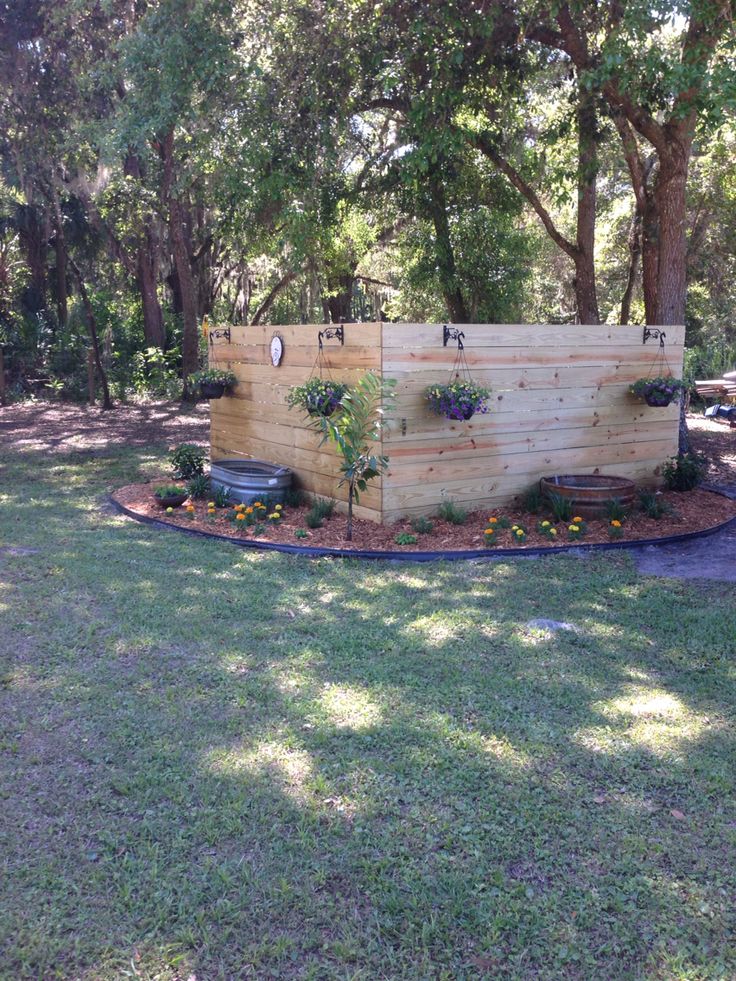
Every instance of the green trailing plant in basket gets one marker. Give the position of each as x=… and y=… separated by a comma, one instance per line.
x=214, y=376
x=317, y=396
x=658, y=391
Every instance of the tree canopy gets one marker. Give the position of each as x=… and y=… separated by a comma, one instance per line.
x=509, y=161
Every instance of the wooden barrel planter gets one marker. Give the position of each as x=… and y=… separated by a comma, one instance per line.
x=589, y=494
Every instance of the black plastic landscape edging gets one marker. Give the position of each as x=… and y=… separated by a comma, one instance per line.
x=312, y=552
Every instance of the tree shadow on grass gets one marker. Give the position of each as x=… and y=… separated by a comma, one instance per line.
x=253, y=766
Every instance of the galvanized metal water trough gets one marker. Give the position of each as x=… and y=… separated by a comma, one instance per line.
x=249, y=480
x=589, y=494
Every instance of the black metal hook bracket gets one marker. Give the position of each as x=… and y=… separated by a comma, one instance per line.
x=453, y=334
x=332, y=332
x=220, y=332
x=655, y=333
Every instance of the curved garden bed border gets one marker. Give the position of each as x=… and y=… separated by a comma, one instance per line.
x=314, y=552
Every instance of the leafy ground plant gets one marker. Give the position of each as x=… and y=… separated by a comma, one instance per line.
x=684, y=472
x=654, y=505
x=187, y=461
x=422, y=525
x=355, y=432
x=405, y=538
x=230, y=764
x=450, y=512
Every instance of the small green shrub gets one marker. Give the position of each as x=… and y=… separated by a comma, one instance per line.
x=259, y=529
x=422, y=525
x=532, y=500
x=404, y=538
x=654, y=505
x=169, y=490
x=684, y=472
x=450, y=512
x=560, y=507
x=221, y=497
x=293, y=497
x=313, y=519
x=615, y=510
x=199, y=487
x=323, y=506
x=187, y=461
x=301, y=533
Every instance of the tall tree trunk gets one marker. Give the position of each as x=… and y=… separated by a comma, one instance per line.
x=634, y=260
x=147, y=280
x=33, y=237
x=61, y=263
x=3, y=390
x=585, y=284
x=146, y=267
x=671, y=201
x=182, y=265
x=445, y=253
x=93, y=334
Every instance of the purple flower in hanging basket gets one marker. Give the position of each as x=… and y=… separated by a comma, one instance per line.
x=460, y=399
x=658, y=391
x=317, y=397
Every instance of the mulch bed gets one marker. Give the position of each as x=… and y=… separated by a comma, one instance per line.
x=692, y=511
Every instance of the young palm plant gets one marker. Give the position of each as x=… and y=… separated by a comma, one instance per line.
x=355, y=431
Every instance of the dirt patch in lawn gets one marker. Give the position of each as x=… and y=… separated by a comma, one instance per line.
x=57, y=427
x=717, y=441
x=692, y=511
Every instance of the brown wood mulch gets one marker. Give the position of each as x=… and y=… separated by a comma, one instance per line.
x=692, y=511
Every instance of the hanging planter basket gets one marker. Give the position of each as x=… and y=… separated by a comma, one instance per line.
x=213, y=382
x=461, y=397
x=660, y=387
x=658, y=392
x=317, y=396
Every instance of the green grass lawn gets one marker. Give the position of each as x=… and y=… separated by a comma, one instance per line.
x=236, y=765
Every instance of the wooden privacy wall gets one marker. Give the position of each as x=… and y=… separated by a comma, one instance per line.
x=559, y=404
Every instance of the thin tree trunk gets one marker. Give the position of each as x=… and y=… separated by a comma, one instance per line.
x=445, y=253
x=634, y=260
x=93, y=333
x=33, y=243
x=351, y=494
x=585, y=283
x=61, y=264
x=182, y=264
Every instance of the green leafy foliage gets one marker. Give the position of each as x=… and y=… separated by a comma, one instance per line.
x=187, y=461
x=684, y=472
x=654, y=505
x=616, y=510
x=405, y=538
x=422, y=525
x=214, y=376
x=560, y=507
x=355, y=431
x=532, y=500
x=450, y=512
x=199, y=487
x=220, y=496
x=169, y=490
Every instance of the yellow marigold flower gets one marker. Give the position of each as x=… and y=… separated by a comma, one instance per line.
x=279, y=507
x=573, y=527
x=578, y=521
x=239, y=517
x=169, y=510
x=615, y=523
x=520, y=532
x=210, y=504
x=545, y=524
x=514, y=527
x=274, y=515
x=553, y=531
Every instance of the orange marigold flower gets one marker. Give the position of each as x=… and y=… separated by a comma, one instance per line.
x=615, y=523
x=492, y=521
x=240, y=517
